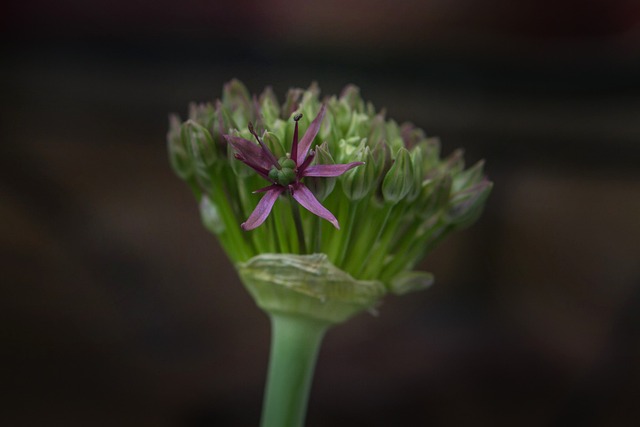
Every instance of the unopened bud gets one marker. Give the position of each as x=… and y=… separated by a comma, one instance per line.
x=360, y=182
x=178, y=152
x=467, y=205
x=201, y=149
x=321, y=187
x=399, y=181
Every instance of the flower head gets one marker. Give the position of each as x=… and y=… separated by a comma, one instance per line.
x=286, y=173
x=401, y=201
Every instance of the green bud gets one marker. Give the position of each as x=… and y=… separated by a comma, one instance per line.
x=286, y=176
x=321, y=187
x=410, y=281
x=359, y=182
x=292, y=103
x=274, y=144
x=454, y=163
x=417, y=173
x=240, y=169
x=203, y=114
x=351, y=96
x=201, y=149
x=469, y=177
x=359, y=125
x=377, y=131
x=434, y=196
x=287, y=163
x=411, y=135
x=211, y=216
x=348, y=149
x=269, y=107
x=394, y=138
x=309, y=107
x=273, y=174
x=467, y=205
x=222, y=125
x=236, y=98
x=430, y=148
x=178, y=152
x=342, y=116
x=382, y=159
x=399, y=181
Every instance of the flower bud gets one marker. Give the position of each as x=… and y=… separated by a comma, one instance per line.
x=377, y=131
x=322, y=187
x=222, y=125
x=274, y=144
x=469, y=177
x=351, y=96
x=178, y=152
x=201, y=149
x=292, y=102
x=410, y=281
x=236, y=98
x=399, y=181
x=467, y=205
x=240, y=169
x=434, y=196
x=359, y=182
x=269, y=107
x=211, y=216
x=411, y=135
x=430, y=148
x=416, y=165
x=359, y=125
x=202, y=114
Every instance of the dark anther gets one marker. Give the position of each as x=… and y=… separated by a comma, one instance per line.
x=297, y=117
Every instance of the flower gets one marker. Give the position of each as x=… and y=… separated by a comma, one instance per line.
x=286, y=173
x=306, y=274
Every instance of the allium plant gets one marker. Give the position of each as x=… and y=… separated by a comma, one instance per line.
x=376, y=198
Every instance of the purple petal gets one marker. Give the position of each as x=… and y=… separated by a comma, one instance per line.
x=261, y=212
x=250, y=152
x=330, y=170
x=305, y=197
x=305, y=143
x=267, y=188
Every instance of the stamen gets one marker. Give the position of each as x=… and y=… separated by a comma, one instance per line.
x=265, y=150
x=294, y=144
x=306, y=162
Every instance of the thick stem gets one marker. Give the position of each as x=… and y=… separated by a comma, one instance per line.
x=295, y=343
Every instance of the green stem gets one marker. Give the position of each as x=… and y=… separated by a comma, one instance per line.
x=298, y=222
x=295, y=343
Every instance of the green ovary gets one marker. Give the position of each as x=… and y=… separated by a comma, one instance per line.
x=286, y=174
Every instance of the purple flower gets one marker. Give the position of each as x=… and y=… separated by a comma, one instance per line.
x=286, y=173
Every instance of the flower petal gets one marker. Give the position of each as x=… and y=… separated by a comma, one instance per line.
x=305, y=143
x=305, y=197
x=261, y=212
x=267, y=188
x=330, y=170
x=250, y=152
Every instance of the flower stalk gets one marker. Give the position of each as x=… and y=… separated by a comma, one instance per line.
x=295, y=343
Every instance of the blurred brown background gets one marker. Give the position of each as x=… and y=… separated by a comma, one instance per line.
x=118, y=308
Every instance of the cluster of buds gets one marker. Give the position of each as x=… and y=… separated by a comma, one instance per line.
x=385, y=184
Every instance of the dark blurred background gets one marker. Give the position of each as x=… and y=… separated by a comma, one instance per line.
x=118, y=308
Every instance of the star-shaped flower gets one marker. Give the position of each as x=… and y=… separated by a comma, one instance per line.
x=285, y=174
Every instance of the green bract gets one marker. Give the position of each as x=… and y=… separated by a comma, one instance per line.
x=392, y=210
